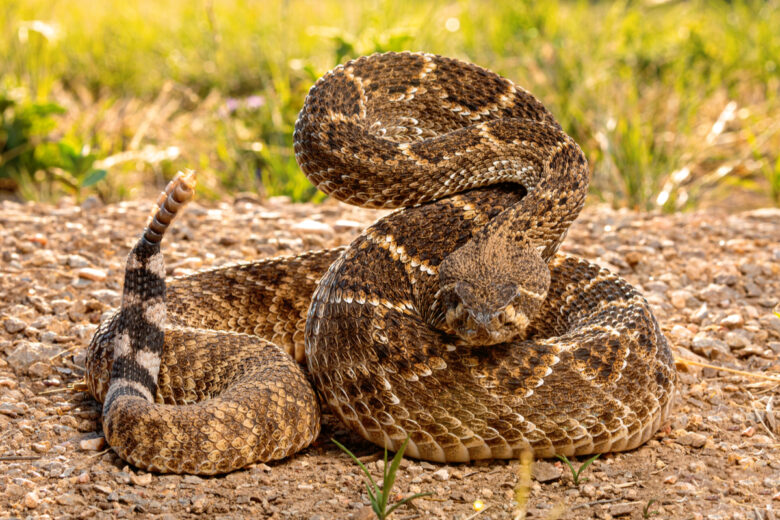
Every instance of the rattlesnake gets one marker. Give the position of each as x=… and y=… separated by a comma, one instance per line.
x=452, y=321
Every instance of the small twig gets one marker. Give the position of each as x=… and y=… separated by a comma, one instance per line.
x=65, y=351
x=54, y=391
x=758, y=415
x=478, y=512
x=597, y=502
x=724, y=369
x=7, y=458
x=99, y=454
x=72, y=366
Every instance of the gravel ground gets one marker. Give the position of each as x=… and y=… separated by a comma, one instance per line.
x=712, y=279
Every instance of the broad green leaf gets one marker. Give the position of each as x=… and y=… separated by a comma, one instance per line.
x=93, y=178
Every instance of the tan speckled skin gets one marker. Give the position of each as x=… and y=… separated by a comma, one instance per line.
x=594, y=375
x=244, y=398
x=453, y=321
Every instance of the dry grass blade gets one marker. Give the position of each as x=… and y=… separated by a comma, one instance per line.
x=753, y=375
x=477, y=513
x=523, y=487
x=770, y=415
x=760, y=416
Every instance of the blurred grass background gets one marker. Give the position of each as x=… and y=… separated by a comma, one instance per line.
x=676, y=104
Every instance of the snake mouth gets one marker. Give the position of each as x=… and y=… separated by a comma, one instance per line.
x=482, y=336
x=481, y=327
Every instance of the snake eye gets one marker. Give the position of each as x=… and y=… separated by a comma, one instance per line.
x=465, y=292
x=506, y=294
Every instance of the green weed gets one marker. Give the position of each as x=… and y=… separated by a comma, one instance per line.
x=646, y=513
x=575, y=474
x=30, y=156
x=380, y=495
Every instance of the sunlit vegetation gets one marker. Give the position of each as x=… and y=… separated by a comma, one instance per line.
x=676, y=104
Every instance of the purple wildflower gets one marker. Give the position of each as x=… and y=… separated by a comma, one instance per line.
x=255, y=101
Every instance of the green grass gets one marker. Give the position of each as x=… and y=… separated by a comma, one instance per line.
x=646, y=513
x=675, y=103
x=379, y=495
x=576, y=474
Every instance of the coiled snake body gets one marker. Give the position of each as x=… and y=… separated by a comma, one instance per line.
x=452, y=321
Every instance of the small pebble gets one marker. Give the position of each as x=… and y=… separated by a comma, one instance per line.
x=141, y=480
x=102, y=488
x=41, y=447
x=14, y=325
x=77, y=261
x=415, y=470
x=709, y=347
x=39, y=370
x=14, y=490
x=732, y=320
x=588, y=490
x=96, y=444
x=313, y=226
x=700, y=314
x=442, y=474
x=365, y=513
x=714, y=294
x=43, y=257
x=737, y=339
x=90, y=273
x=679, y=299
x=685, y=489
x=692, y=439
x=12, y=410
x=771, y=322
x=623, y=509
x=32, y=500
x=199, y=503
x=543, y=472
x=681, y=335
x=106, y=296
x=347, y=225
x=91, y=202
x=8, y=383
x=70, y=500
x=28, y=352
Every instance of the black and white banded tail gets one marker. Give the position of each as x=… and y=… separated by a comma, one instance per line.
x=138, y=331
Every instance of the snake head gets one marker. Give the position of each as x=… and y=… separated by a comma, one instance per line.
x=490, y=294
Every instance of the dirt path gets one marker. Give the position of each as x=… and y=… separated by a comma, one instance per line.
x=713, y=281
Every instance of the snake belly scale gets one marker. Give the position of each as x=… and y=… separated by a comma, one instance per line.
x=453, y=321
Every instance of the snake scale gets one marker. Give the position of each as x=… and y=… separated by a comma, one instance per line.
x=453, y=320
